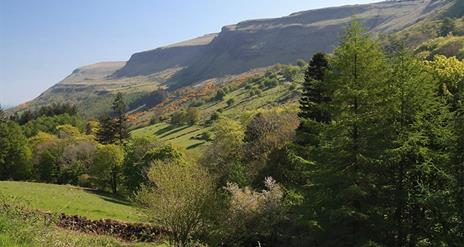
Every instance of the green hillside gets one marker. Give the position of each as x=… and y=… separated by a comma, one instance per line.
x=271, y=90
x=70, y=200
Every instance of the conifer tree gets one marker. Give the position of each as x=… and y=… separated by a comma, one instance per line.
x=345, y=167
x=313, y=99
x=120, y=123
x=106, y=133
x=415, y=159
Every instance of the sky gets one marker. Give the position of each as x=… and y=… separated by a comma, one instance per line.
x=43, y=41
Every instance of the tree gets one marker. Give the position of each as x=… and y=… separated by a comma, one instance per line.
x=223, y=157
x=135, y=167
x=230, y=102
x=313, y=101
x=106, y=168
x=447, y=27
x=449, y=72
x=120, y=123
x=269, y=131
x=220, y=95
x=350, y=145
x=183, y=199
x=416, y=118
x=106, y=133
x=46, y=169
x=2, y=114
x=15, y=153
x=192, y=116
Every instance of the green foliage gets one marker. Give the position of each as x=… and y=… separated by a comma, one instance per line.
x=106, y=133
x=120, y=124
x=107, y=165
x=447, y=27
x=314, y=98
x=219, y=95
x=183, y=199
x=49, y=123
x=15, y=153
x=225, y=153
x=135, y=168
x=165, y=153
x=185, y=117
x=48, y=111
x=2, y=114
x=230, y=102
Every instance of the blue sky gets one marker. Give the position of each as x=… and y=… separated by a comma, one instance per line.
x=42, y=41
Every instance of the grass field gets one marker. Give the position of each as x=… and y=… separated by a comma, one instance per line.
x=178, y=135
x=70, y=200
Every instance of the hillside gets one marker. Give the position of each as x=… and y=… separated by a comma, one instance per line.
x=237, y=49
x=90, y=88
x=70, y=200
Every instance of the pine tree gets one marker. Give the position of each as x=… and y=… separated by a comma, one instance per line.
x=106, y=133
x=343, y=182
x=315, y=95
x=120, y=123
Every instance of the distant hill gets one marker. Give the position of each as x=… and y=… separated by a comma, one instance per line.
x=260, y=43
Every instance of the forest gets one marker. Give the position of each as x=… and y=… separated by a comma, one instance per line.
x=373, y=156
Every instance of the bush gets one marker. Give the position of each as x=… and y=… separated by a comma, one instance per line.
x=253, y=215
x=220, y=95
x=183, y=199
x=230, y=102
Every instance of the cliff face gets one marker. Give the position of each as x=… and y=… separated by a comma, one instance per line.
x=153, y=61
x=259, y=43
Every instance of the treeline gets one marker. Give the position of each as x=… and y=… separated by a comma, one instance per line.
x=49, y=111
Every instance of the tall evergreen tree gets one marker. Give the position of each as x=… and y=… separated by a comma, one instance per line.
x=415, y=159
x=315, y=96
x=106, y=133
x=120, y=123
x=346, y=172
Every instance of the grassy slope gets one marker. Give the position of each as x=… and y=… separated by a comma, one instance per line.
x=70, y=200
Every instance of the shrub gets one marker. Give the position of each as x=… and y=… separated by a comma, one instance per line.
x=230, y=102
x=252, y=215
x=183, y=199
x=220, y=95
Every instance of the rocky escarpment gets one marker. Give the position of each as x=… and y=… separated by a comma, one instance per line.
x=154, y=61
x=259, y=43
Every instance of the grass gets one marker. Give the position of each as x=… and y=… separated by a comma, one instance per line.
x=18, y=229
x=177, y=135
x=70, y=200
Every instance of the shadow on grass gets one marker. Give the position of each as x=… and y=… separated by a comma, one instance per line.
x=171, y=130
x=165, y=129
x=195, y=145
x=109, y=197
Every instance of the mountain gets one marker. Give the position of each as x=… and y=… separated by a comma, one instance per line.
x=237, y=49
x=91, y=88
x=260, y=43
